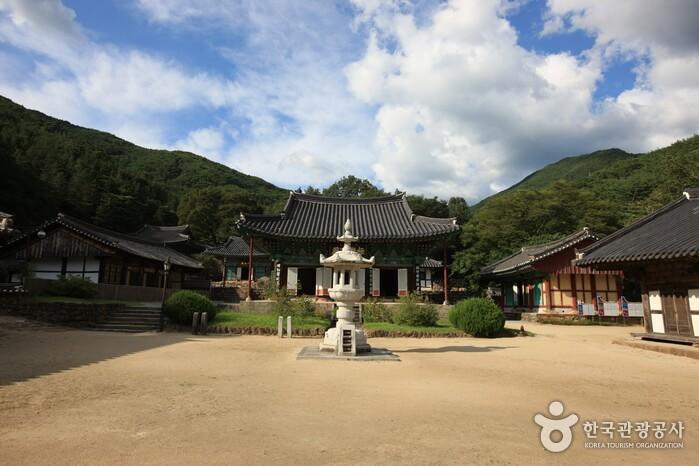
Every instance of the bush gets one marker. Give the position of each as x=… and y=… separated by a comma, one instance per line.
x=73, y=287
x=181, y=306
x=415, y=312
x=479, y=317
x=302, y=307
x=375, y=311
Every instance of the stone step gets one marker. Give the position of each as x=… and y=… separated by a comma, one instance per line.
x=135, y=315
x=126, y=326
x=125, y=330
x=143, y=319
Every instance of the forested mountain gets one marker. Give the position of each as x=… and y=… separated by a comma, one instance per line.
x=49, y=165
x=604, y=191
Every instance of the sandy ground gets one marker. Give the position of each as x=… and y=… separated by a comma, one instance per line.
x=81, y=397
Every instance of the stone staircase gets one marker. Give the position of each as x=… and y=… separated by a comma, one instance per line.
x=132, y=319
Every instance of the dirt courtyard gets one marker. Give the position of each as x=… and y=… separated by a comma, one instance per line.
x=82, y=397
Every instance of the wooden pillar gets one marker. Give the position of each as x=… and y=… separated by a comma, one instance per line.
x=574, y=287
x=446, y=278
x=549, y=296
x=251, y=268
x=593, y=286
x=223, y=277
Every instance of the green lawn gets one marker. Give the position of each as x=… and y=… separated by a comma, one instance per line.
x=243, y=319
x=443, y=326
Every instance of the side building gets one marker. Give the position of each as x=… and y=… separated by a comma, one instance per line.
x=541, y=278
x=235, y=257
x=387, y=229
x=68, y=246
x=661, y=251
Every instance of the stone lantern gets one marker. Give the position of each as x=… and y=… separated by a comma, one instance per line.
x=346, y=337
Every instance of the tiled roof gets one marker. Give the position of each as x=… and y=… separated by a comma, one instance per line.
x=120, y=241
x=430, y=263
x=321, y=218
x=163, y=235
x=669, y=233
x=235, y=246
x=530, y=254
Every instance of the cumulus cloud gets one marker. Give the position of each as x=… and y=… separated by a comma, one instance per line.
x=208, y=142
x=464, y=110
x=96, y=85
x=431, y=97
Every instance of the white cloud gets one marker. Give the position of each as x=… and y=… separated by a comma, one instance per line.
x=431, y=97
x=208, y=142
x=463, y=110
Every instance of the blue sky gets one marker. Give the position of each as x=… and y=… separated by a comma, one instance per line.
x=442, y=98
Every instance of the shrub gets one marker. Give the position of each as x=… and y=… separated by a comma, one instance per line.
x=302, y=307
x=73, y=287
x=376, y=311
x=181, y=306
x=266, y=287
x=415, y=312
x=479, y=317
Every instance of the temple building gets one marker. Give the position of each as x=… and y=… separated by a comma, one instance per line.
x=66, y=246
x=386, y=227
x=661, y=251
x=541, y=278
x=235, y=255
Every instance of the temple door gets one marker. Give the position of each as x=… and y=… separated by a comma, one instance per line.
x=319, y=281
x=292, y=274
x=402, y=282
x=361, y=279
x=375, y=282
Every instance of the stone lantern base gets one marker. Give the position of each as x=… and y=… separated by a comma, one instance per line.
x=345, y=339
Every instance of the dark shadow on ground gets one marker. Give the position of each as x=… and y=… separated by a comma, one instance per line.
x=31, y=349
x=455, y=349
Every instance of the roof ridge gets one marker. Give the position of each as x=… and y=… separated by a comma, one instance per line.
x=346, y=200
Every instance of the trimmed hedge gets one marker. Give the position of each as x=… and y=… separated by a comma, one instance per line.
x=479, y=317
x=72, y=287
x=414, y=312
x=181, y=306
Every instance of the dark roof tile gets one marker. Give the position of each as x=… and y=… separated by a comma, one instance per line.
x=235, y=246
x=307, y=216
x=530, y=254
x=670, y=232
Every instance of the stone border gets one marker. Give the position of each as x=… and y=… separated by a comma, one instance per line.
x=319, y=332
x=674, y=349
x=299, y=332
x=80, y=315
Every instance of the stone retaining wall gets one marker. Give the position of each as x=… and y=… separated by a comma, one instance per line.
x=70, y=314
x=553, y=318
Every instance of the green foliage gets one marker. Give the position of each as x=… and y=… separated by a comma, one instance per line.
x=72, y=287
x=181, y=306
x=479, y=317
x=604, y=191
x=351, y=186
x=413, y=311
x=284, y=304
x=211, y=212
x=376, y=311
x=98, y=177
x=302, y=307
